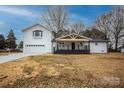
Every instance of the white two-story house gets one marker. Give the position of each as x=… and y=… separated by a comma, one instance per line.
x=39, y=40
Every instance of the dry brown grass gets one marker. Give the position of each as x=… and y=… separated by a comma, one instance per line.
x=4, y=53
x=86, y=70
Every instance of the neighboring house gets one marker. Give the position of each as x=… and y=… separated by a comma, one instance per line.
x=121, y=49
x=38, y=40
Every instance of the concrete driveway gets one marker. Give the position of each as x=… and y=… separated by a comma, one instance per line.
x=11, y=57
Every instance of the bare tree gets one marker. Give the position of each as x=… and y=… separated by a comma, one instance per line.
x=112, y=24
x=55, y=18
x=78, y=27
x=117, y=25
x=94, y=34
x=102, y=24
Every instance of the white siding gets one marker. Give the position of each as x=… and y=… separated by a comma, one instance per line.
x=41, y=45
x=122, y=50
x=65, y=46
x=101, y=47
x=79, y=46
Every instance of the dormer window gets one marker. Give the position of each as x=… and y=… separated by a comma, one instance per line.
x=37, y=34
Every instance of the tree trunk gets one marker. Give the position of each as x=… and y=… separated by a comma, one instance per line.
x=116, y=45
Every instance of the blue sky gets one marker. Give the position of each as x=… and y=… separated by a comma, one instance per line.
x=19, y=17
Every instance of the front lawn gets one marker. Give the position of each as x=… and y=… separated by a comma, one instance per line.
x=85, y=70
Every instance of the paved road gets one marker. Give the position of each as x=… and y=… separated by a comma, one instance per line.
x=12, y=57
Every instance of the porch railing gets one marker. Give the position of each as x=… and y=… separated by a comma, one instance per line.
x=71, y=51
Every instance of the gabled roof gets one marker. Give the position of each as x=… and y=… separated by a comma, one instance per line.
x=37, y=24
x=73, y=37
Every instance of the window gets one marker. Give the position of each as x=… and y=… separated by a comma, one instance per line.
x=86, y=47
x=78, y=47
x=96, y=43
x=61, y=44
x=81, y=43
x=37, y=34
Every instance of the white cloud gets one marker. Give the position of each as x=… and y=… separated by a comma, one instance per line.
x=2, y=23
x=16, y=11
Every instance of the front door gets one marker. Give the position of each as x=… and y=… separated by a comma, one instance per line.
x=73, y=46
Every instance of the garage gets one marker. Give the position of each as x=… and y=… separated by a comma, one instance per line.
x=37, y=40
x=35, y=49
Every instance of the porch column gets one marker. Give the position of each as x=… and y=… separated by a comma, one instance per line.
x=57, y=45
x=89, y=45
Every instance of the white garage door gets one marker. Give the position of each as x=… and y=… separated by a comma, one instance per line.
x=35, y=49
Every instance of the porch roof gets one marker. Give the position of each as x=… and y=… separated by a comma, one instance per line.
x=73, y=37
x=69, y=40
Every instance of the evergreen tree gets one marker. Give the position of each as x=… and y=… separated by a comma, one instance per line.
x=2, y=42
x=11, y=40
x=20, y=44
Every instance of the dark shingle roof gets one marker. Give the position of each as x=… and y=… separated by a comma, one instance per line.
x=99, y=40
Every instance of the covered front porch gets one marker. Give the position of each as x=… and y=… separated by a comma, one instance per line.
x=72, y=44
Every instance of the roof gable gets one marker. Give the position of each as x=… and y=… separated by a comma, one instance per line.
x=73, y=37
x=34, y=26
